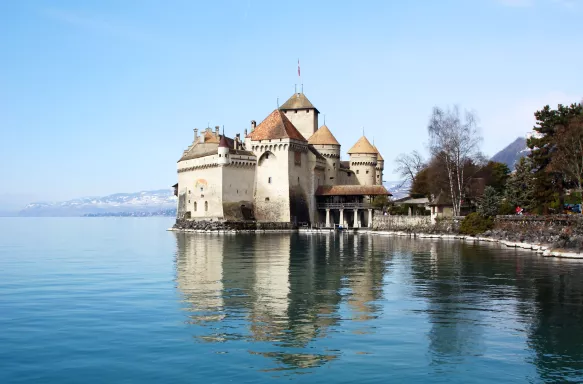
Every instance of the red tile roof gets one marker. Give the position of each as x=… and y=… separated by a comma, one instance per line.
x=323, y=136
x=351, y=190
x=362, y=146
x=276, y=126
x=297, y=101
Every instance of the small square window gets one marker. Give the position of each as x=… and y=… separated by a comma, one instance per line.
x=367, y=172
x=267, y=199
x=357, y=171
x=269, y=180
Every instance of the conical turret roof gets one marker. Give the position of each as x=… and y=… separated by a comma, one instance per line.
x=379, y=157
x=363, y=146
x=323, y=136
x=223, y=143
x=276, y=126
x=297, y=101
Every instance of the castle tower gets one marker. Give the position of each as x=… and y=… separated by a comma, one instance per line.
x=363, y=161
x=325, y=143
x=380, y=167
x=302, y=113
x=223, y=151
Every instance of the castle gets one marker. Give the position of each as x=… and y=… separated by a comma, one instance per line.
x=286, y=169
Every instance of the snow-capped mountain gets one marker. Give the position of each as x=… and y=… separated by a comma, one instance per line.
x=398, y=188
x=139, y=202
x=512, y=153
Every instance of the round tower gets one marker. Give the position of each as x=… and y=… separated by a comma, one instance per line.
x=363, y=161
x=380, y=167
x=223, y=151
x=327, y=145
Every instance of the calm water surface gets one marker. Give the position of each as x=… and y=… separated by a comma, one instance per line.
x=97, y=300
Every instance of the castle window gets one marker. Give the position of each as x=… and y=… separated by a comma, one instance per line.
x=220, y=155
x=267, y=199
x=298, y=180
x=296, y=111
x=334, y=165
x=206, y=206
x=189, y=191
x=195, y=206
x=269, y=179
x=367, y=172
x=357, y=171
x=201, y=189
x=266, y=156
x=237, y=191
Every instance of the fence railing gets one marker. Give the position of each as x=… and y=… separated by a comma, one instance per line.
x=345, y=206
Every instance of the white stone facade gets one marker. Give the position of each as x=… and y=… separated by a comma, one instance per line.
x=271, y=176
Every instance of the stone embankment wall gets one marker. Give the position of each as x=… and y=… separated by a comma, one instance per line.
x=237, y=226
x=415, y=224
x=558, y=231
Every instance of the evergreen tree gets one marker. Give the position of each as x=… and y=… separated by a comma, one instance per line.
x=548, y=182
x=521, y=184
x=489, y=202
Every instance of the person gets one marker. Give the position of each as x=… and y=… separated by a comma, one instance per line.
x=519, y=210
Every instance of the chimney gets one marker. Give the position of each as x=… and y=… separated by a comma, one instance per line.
x=253, y=125
x=238, y=141
x=195, y=133
x=217, y=128
x=201, y=138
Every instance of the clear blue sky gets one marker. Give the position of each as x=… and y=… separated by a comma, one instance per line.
x=98, y=97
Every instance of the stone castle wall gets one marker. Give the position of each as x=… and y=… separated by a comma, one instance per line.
x=414, y=224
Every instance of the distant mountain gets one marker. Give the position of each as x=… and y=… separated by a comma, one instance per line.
x=398, y=188
x=512, y=153
x=127, y=204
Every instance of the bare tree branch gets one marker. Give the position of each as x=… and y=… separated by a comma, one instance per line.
x=455, y=140
x=408, y=165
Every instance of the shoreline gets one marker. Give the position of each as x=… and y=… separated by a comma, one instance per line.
x=541, y=249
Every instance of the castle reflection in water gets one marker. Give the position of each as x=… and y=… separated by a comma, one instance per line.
x=303, y=300
x=285, y=299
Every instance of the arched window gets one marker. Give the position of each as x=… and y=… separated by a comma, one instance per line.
x=206, y=206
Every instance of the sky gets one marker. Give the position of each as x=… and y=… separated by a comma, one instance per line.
x=100, y=97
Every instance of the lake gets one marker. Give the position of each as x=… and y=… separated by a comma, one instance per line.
x=122, y=300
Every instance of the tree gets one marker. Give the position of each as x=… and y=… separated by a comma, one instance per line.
x=380, y=202
x=521, y=184
x=496, y=175
x=455, y=140
x=549, y=181
x=420, y=185
x=489, y=203
x=409, y=165
x=567, y=156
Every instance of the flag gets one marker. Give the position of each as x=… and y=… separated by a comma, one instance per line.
x=299, y=68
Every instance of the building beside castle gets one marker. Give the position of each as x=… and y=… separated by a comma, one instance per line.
x=285, y=169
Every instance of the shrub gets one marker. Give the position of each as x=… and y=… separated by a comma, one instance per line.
x=474, y=224
x=506, y=208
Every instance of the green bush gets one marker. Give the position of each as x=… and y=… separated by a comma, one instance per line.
x=474, y=224
x=506, y=208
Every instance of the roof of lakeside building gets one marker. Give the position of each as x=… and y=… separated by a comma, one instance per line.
x=352, y=190
x=362, y=146
x=323, y=136
x=276, y=126
x=379, y=157
x=298, y=101
x=208, y=147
